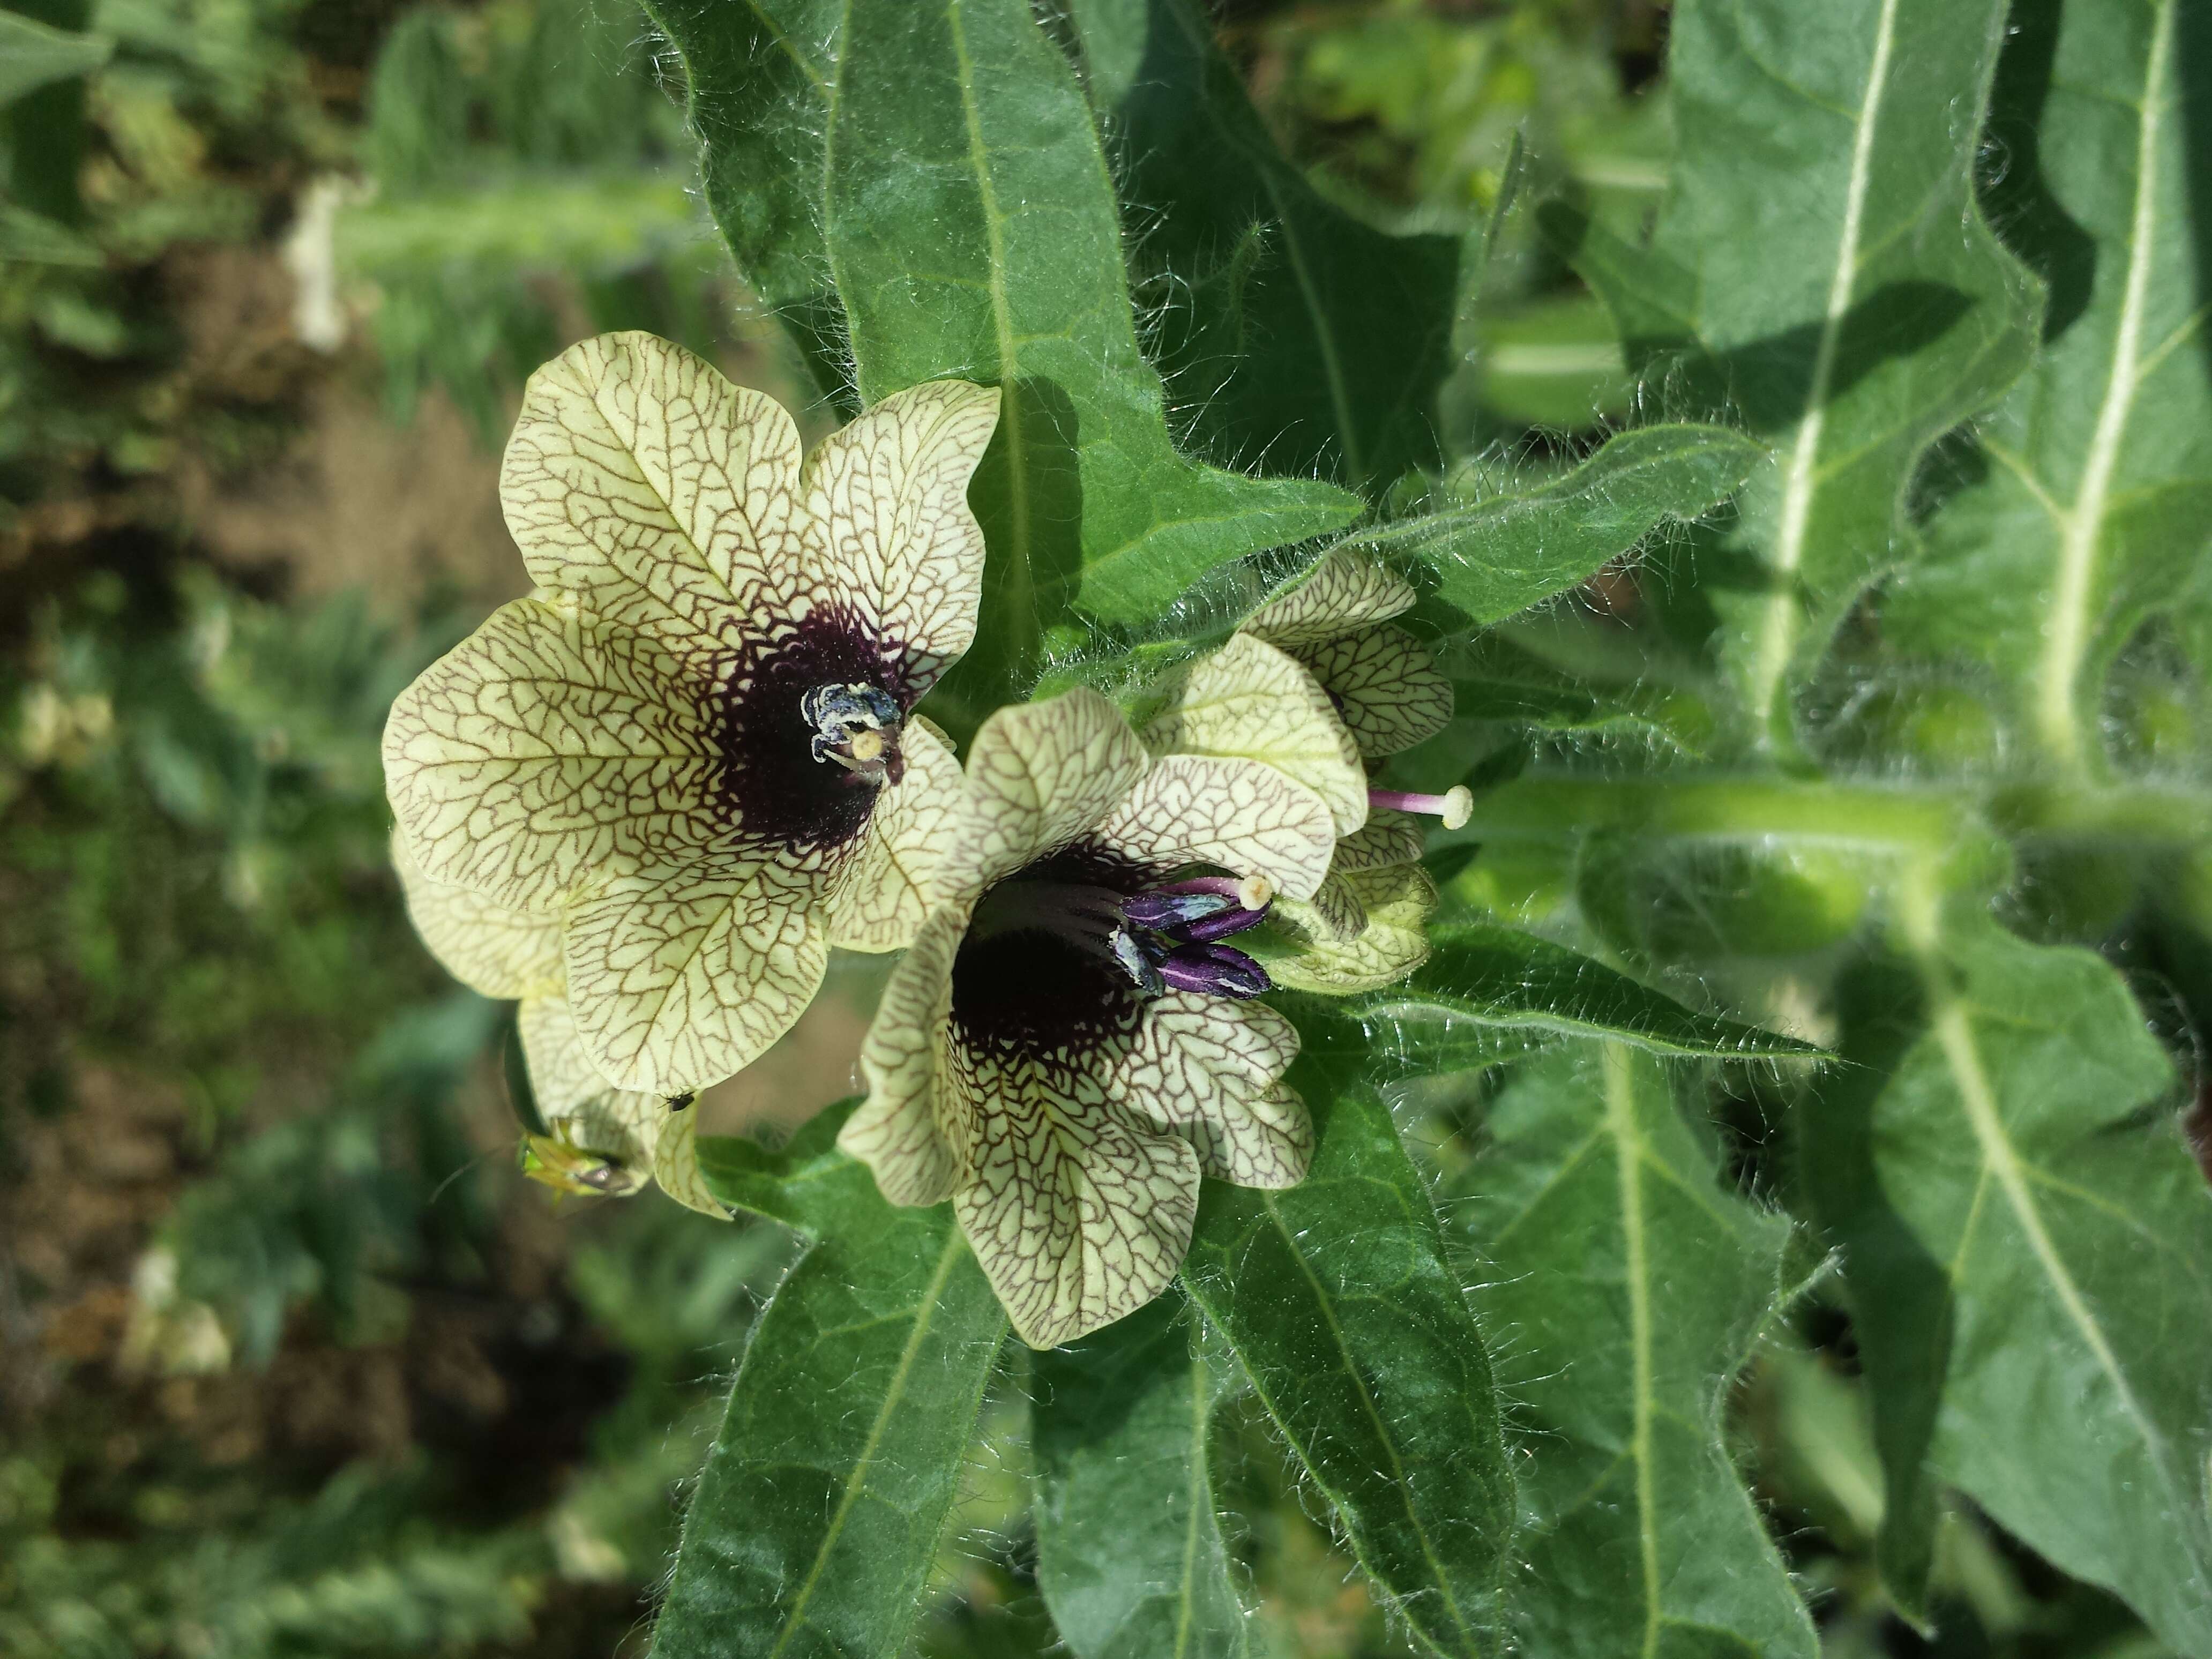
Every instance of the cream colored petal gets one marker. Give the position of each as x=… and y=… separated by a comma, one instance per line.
x=546, y=746
x=676, y=1165
x=1211, y=1070
x=1250, y=701
x=1240, y=814
x=1040, y=775
x=881, y=894
x=660, y=496
x=487, y=947
x=680, y=977
x=1078, y=1214
x=562, y=1075
x=1386, y=838
x=889, y=525
x=1346, y=590
x=1397, y=900
x=1338, y=915
x=900, y=1130
x=1386, y=685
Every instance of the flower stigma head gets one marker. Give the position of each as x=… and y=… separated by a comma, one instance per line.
x=1455, y=806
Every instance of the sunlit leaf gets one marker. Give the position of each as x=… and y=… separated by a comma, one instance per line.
x=1507, y=552
x=1130, y=1556
x=817, y=1517
x=1633, y=1285
x=1341, y=1307
x=2084, y=502
x=1797, y=279
x=2029, y=1260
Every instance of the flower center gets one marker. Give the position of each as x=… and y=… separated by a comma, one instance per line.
x=855, y=726
x=1069, y=949
x=808, y=718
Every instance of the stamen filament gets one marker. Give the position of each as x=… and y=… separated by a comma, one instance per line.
x=1455, y=806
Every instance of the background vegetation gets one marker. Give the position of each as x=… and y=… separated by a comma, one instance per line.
x=294, y=1364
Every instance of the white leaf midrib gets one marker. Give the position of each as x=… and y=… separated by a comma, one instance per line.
x=1779, y=626
x=2066, y=638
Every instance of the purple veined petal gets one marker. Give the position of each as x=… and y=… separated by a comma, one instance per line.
x=1215, y=970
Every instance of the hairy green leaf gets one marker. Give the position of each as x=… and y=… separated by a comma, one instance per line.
x=1305, y=340
x=1634, y=1285
x=1821, y=271
x=758, y=77
x=1494, y=678
x=1506, y=552
x=2085, y=502
x=941, y=164
x=2029, y=1250
x=1130, y=1556
x=1485, y=976
x=974, y=230
x=1341, y=1306
x=818, y=1514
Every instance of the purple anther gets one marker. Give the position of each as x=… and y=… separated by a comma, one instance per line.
x=1137, y=963
x=1164, y=910
x=1215, y=970
x=1225, y=923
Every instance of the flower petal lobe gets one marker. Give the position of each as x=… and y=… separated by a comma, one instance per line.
x=680, y=977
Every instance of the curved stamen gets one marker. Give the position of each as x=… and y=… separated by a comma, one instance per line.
x=1455, y=806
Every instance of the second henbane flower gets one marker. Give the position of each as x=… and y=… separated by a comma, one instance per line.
x=1070, y=1043
x=693, y=742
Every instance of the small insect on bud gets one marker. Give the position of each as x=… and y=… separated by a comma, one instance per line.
x=677, y=1102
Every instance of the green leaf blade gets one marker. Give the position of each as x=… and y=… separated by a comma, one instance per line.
x=1796, y=278
x=1130, y=1556
x=1340, y=1304
x=34, y=54
x=818, y=1514
x=972, y=225
x=1495, y=557
x=1611, y=1251
x=2031, y=1262
x=1357, y=324
x=1493, y=976
x=2093, y=508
